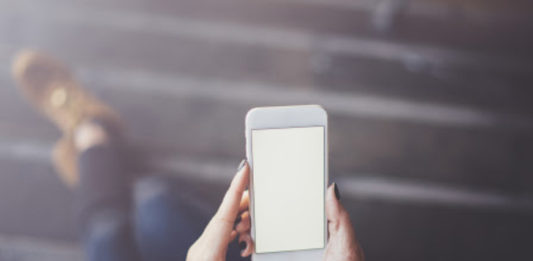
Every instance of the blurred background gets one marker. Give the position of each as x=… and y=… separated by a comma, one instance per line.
x=430, y=103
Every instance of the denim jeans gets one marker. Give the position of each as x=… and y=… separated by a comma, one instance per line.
x=123, y=218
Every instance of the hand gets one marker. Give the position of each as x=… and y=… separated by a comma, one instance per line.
x=342, y=244
x=212, y=245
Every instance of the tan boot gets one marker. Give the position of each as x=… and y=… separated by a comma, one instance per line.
x=49, y=86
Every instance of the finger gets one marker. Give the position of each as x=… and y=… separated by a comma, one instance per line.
x=233, y=235
x=248, y=247
x=245, y=201
x=244, y=225
x=341, y=232
x=335, y=212
x=230, y=203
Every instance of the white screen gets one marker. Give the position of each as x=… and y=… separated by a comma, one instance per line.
x=288, y=180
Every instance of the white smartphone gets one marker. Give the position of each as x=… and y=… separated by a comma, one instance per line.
x=287, y=149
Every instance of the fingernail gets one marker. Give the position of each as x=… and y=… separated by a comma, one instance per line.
x=337, y=194
x=237, y=220
x=241, y=165
x=242, y=246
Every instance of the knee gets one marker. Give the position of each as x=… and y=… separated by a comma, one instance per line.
x=108, y=235
x=154, y=204
x=152, y=198
x=160, y=228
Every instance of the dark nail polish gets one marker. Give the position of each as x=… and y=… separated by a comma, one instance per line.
x=237, y=220
x=241, y=165
x=242, y=245
x=337, y=194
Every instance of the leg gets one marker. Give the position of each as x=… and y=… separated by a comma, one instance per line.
x=166, y=225
x=104, y=193
x=166, y=221
x=87, y=157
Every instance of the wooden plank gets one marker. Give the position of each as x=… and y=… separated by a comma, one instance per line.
x=472, y=87
x=315, y=68
x=184, y=122
x=157, y=108
x=34, y=202
x=403, y=232
x=427, y=231
x=441, y=24
x=470, y=156
x=171, y=23
x=32, y=249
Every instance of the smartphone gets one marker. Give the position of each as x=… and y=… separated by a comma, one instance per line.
x=287, y=149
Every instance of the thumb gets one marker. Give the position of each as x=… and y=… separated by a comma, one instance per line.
x=218, y=233
x=342, y=240
x=229, y=207
x=336, y=214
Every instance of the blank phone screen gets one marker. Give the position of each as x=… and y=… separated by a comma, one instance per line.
x=288, y=189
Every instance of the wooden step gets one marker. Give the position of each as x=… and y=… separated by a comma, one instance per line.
x=296, y=59
x=402, y=232
x=492, y=27
x=34, y=202
x=23, y=248
x=366, y=136
x=392, y=218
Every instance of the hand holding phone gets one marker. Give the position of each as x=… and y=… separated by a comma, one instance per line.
x=342, y=244
x=213, y=243
x=290, y=211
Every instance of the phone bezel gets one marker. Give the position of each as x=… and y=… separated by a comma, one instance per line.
x=287, y=117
